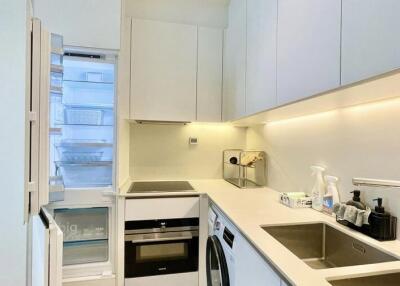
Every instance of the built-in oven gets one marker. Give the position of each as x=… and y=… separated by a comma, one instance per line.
x=158, y=247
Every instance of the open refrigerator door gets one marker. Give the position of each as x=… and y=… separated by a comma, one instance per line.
x=71, y=160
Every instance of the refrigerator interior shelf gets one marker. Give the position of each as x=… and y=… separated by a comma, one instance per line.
x=88, y=82
x=81, y=156
x=89, y=85
x=72, y=143
x=88, y=106
x=85, y=252
x=83, y=116
x=83, y=124
x=86, y=240
x=89, y=163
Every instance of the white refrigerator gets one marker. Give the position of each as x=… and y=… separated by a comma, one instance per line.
x=71, y=124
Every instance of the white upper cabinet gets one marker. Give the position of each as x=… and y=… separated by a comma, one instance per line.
x=261, y=55
x=370, y=39
x=209, y=75
x=163, y=71
x=234, y=76
x=308, y=48
x=84, y=23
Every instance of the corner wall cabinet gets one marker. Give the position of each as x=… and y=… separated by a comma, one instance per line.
x=370, y=38
x=308, y=48
x=280, y=52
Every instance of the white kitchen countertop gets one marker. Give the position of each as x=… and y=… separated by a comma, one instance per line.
x=249, y=209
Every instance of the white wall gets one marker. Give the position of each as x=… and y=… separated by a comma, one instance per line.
x=197, y=12
x=83, y=23
x=13, y=238
x=360, y=141
x=163, y=151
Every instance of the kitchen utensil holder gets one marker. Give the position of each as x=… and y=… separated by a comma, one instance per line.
x=244, y=168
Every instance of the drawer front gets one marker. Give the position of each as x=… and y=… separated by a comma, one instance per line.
x=161, y=208
x=182, y=279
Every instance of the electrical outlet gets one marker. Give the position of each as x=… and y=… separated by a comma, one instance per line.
x=193, y=141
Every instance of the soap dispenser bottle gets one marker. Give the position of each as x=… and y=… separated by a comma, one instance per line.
x=382, y=224
x=356, y=201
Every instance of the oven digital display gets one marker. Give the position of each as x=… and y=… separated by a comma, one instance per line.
x=162, y=252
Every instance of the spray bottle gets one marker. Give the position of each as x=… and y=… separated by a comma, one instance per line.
x=318, y=190
x=332, y=195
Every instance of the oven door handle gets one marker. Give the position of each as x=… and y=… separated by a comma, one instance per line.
x=156, y=237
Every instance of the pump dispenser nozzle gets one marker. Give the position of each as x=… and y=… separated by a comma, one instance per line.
x=379, y=208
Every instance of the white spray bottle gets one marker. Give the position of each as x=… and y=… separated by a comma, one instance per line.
x=318, y=190
x=332, y=194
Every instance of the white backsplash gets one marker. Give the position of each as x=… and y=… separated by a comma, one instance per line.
x=163, y=152
x=360, y=141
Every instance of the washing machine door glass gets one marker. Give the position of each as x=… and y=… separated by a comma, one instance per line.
x=217, y=268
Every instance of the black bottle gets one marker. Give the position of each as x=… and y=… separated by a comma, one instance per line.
x=356, y=201
x=382, y=224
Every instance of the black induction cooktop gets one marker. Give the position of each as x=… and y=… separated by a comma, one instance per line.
x=160, y=187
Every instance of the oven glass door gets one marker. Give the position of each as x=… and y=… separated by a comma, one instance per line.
x=161, y=257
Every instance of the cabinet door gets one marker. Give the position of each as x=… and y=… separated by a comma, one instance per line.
x=163, y=71
x=260, y=273
x=370, y=38
x=209, y=74
x=308, y=48
x=262, y=19
x=84, y=23
x=234, y=77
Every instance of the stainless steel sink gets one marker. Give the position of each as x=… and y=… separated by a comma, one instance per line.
x=392, y=279
x=322, y=246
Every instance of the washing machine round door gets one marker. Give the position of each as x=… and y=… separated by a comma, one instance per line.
x=217, y=268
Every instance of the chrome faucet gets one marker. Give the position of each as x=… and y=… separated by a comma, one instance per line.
x=376, y=183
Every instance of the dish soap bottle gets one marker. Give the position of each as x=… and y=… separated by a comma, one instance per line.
x=356, y=201
x=332, y=195
x=318, y=190
x=382, y=224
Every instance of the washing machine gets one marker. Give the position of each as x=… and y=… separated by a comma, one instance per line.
x=220, y=258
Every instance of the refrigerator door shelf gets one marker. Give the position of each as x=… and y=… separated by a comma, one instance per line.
x=56, y=68
x=56, y=188
x=55, y=131
x=57, y=44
